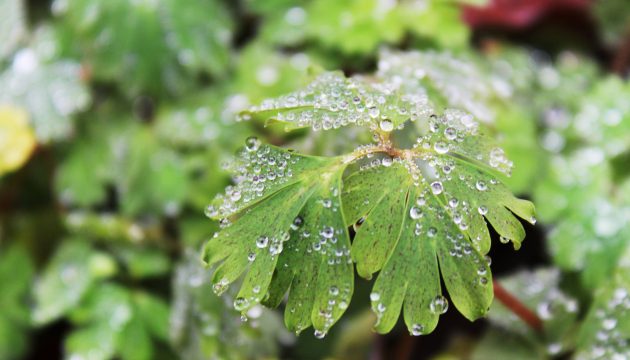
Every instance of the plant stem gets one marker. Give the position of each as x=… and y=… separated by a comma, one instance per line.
x=517, y=307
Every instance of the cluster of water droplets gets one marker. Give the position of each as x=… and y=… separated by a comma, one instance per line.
x=459, y=81
x=258, y=169
x=332, y=101
x=611, y=342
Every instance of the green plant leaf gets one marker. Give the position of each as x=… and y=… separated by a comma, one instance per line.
x=66, y=279
x=332, y=101
x=288, y=218
x=430, y=211
x=606, y=328
x=50, y=92
x=152, y=47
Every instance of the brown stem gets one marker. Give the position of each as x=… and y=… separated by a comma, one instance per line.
x=517, y=307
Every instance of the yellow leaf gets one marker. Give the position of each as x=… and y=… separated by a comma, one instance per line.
x=17, y=139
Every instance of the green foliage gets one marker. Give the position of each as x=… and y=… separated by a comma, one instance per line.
x=155, y=42
x=120, y=119
x=291, y=211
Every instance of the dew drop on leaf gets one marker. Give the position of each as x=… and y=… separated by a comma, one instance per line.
x=437, y=188
x=252, y=143
x=438, y=305
x=415, y=213
x=386, y=125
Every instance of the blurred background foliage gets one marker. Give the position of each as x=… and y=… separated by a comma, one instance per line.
x=116, y=117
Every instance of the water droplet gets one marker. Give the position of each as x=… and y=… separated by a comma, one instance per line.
x=387, y=161
x=373, y=112
x=240, y=304
x=417, y=329
x=251, y=256
x=327, y=203
x=439, y=305
x=334, y=291
x=262, y=242
x=504, y=240
x=481, y=186
x=483, y=210
x=319, y=334
x=609, y=323
x=297, y=223
x=450, y=133
x=327, y=232
x=252, y=143
x=211, y=211
x=374, y=296
x=386, y=125
x=381, y=307
x=436, y=187
x=415, y=213
x=441, y=147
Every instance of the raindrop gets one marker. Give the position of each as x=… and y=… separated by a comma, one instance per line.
x=417, y=329
x=436, y=187
x=504, y=240
x=297, y=223
x=415, y=213
x=373, y=112
x=252, y=143
x=483, y=210
x=387, y=161
x=374, y=296
x=481, y=186
x=441, y=147
x=438, y=305
x=386, y=125
x=450, y=133
x=319, y=334
x=262, y=242
x=240, y=303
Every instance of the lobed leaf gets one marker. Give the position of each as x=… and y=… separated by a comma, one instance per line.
x=288, y=235
x=332, y=101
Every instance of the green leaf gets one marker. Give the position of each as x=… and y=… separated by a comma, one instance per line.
x=606, y=328
x=431, y=211
x=540, y=292
x=16, y=272
x=332, y=101
x=295, y=238
x=66, y=279
x=155, y=47
x=51, y=92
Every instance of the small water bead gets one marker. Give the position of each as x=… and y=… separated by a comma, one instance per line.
x=436, y=187
x=374, y=112
x=251, y=256
x=327, y=203
x=432, y=232
x=483, y=210
x=381, y=307
x=297, y=223
x=504, y=240
x=421, y=201
x=275, y=249
x=417, y=329
x=334, y=291
x=453, y=202
x=415, y=213
x=441, y=147
x=240, y=303
x=386, y=125
x=387, y=161
x=327, y=232
x=439, y=305
x=450, y=133
x=609, y=323
x=211, y=211
x=252, y=143
x=262, y=242
x=481, y=185
x=319, y=334
x=483, y=281
x=374, y=296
